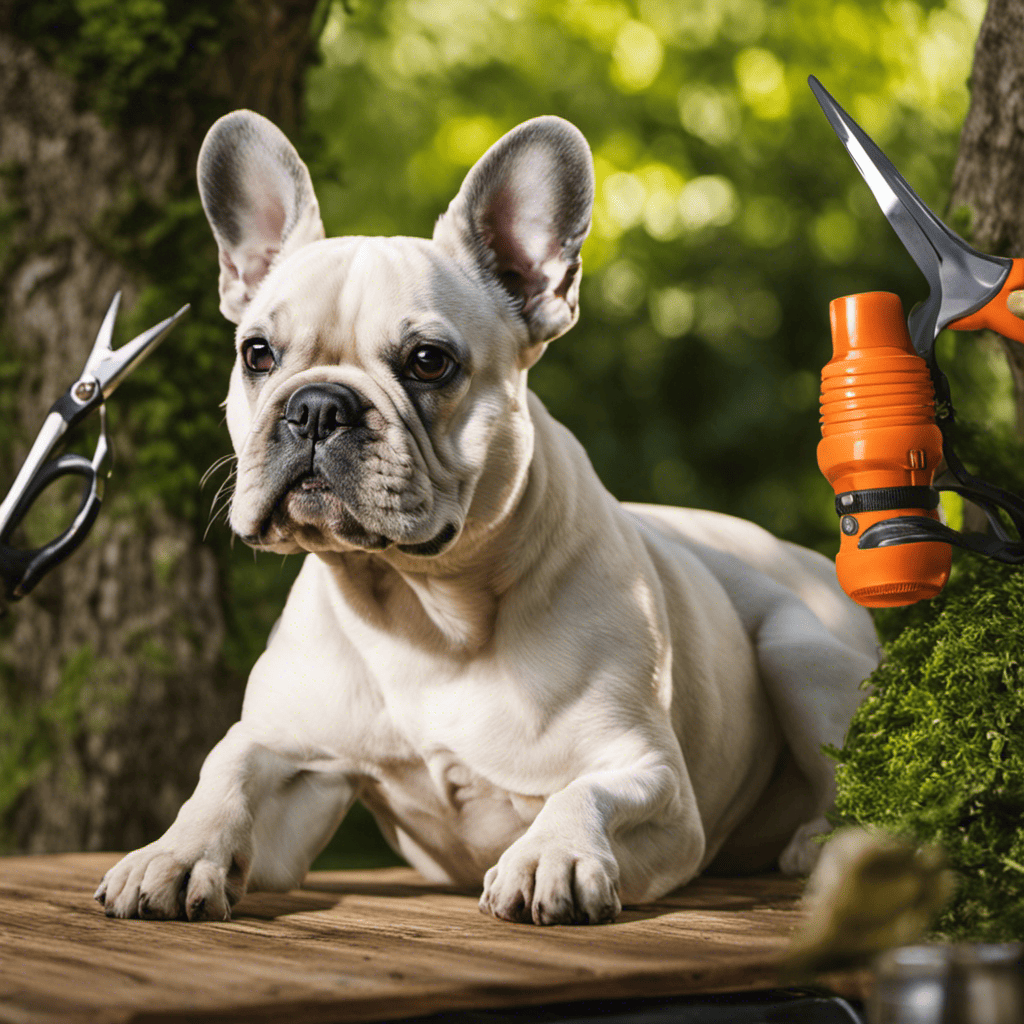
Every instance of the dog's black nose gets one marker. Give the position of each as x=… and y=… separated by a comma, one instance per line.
x=316, y=411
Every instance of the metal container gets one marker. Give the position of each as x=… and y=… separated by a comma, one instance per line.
x=949, y=984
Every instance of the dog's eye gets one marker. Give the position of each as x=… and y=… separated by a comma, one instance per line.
x=257, y=355
x=429, y=364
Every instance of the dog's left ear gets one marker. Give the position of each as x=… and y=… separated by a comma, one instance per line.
x=258, y=199
x=521, y=216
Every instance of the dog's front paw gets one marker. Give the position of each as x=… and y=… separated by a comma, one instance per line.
x=547, y=884
x=159, y=882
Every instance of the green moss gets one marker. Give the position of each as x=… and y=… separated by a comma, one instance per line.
x=132, y=59
x=171, y=406
x=167, y=554
x=134, y=63
x=34, y=731
x=937, y=751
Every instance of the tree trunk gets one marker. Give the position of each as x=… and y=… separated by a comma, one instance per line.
x=988, y=179
x=113, y=684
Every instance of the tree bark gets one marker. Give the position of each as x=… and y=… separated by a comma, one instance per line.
x=988, y=178
x=112, y=681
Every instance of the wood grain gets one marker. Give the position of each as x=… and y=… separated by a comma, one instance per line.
x=361, y=945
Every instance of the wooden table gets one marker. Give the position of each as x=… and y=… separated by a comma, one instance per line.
x=362, y=945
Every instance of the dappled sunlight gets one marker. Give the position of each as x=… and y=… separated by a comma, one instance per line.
x=834, y=233
x=672, y=311
x=708, y=201
x=636, y=57
x=762, y=82
x=710, y=114
x=463, y=140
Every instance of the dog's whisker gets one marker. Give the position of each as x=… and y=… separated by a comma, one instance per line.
x=226, y=489
x=214, y=516
x=221, y=500
x=219, y=507
x=218, y=463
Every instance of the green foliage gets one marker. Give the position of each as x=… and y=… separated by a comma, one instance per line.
x=33, y=732
x=173, y=415
x=132, y=59
x=937, y=750
x=358, y=844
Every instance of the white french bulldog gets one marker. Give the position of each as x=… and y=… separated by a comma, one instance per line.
x=573, y=702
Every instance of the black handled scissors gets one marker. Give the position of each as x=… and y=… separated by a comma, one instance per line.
x=968, y=291
x=21, y=570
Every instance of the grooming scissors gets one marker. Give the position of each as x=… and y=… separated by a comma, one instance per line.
x=21, y=570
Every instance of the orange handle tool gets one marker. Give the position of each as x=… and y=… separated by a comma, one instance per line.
x=879, y=450
x=887, y=413
x=995, y=314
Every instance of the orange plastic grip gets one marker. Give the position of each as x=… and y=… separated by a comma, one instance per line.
x=878, y=430
x=994, y=314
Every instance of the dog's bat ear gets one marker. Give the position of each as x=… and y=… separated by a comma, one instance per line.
x=521, y=217
x=258, y=199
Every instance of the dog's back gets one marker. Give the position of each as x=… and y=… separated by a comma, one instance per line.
x=809, y=575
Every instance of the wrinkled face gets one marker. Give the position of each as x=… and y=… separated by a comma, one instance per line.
x=374, y=383
x=378, y=401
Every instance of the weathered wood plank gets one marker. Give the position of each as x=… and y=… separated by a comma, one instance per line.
x=361, y=945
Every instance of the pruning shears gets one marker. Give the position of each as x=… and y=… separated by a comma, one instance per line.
x=968, y=291
x=21, y=570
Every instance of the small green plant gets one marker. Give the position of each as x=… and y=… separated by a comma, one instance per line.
x=936, y=752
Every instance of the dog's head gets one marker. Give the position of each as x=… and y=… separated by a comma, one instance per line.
x=378, y=400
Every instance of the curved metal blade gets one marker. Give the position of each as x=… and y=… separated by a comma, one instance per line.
x=105, y=335
x=117, y=365
x=961, y=279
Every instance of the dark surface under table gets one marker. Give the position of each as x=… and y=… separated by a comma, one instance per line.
x=774, y=1006
x=385, y=944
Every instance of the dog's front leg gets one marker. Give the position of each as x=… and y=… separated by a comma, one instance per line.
x=254, y=814
x=610, y=836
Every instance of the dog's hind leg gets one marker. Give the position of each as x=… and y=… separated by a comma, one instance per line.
x=813, y=681
x=812, y=673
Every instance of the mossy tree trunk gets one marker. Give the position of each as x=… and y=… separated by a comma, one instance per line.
x=114, y=684
x=989, y=175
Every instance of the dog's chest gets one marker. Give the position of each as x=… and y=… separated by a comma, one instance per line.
x=443, y=814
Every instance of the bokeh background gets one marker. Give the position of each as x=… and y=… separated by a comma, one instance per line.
x=727, y=217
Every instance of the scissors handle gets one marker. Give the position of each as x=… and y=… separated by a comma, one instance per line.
x=995, y=315
x=22, y=570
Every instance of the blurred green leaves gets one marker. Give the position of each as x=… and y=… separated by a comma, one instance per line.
x=727, y=214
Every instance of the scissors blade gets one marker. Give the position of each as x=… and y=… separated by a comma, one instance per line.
x=101, y=346
x=961, y=279
x=115, y=366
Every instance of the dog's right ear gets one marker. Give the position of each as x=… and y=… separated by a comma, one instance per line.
x=521, y=217
x=258, y=199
